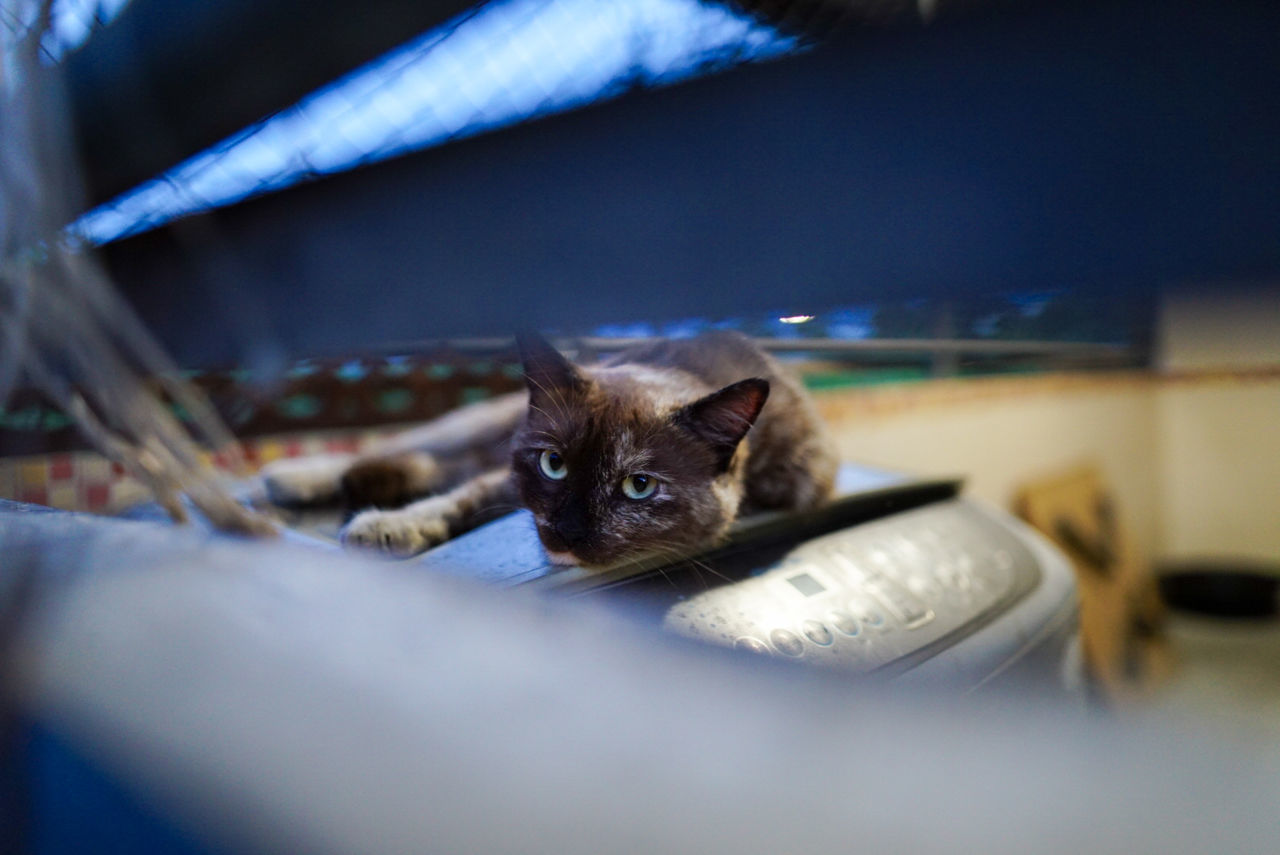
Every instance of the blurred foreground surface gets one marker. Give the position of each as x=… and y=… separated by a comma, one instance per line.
x=267, y=697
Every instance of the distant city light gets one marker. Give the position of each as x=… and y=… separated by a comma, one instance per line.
x=797, y=319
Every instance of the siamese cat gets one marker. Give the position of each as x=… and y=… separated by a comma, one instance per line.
x=657, y=449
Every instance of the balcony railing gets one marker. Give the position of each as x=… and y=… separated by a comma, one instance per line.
x=416, y=381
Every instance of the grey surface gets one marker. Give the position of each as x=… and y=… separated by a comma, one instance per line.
x=1227, y=677
x=277, y=698
x=978, y=616
x=877, y=575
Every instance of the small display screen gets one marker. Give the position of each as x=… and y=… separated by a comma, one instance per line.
x=806, y=584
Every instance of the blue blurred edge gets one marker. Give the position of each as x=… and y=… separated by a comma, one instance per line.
x=63, y=803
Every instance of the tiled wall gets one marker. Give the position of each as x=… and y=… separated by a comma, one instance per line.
x=86, y=481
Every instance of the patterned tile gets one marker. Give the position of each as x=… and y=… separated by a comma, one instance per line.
x=33, y=473
x=86, y=481
x=65, y=496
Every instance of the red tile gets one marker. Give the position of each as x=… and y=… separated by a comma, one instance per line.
x=96, y=496
x=60, y=468
x=34, y=495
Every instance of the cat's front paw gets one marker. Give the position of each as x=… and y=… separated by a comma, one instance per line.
x=402, y=533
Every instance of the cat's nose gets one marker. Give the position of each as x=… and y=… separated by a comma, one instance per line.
x=572, y=529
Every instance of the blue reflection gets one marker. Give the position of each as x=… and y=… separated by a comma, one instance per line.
x=71, y=22
x=498, y=64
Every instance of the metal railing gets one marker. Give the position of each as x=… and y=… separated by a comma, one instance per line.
x=415, y=381
x=1074, y=354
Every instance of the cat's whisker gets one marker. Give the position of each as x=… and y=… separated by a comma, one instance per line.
x=549, y=418
x=670, y=581
x=713, y=571
x=503, y=506
x=677, y=556
x=701, y=580
x=672, y=556
x=551, y=393
x=538, y=409
x=681, y=555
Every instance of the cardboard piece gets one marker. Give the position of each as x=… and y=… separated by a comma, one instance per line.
x=1121, y=615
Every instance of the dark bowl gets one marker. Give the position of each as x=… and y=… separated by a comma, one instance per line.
x=1222, y=589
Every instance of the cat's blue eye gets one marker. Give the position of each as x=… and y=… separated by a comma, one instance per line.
x=639, y=486
x=553, y=465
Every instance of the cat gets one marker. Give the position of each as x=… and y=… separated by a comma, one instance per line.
x=657, y=449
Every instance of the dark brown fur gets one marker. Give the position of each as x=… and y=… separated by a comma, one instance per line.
x=676, y=411
x=715, y=420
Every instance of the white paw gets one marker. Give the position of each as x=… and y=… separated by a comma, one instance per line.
x=405, y=532
x=305, y=480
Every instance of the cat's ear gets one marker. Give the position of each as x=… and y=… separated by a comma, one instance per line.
x=723, y=418
x=545, y=369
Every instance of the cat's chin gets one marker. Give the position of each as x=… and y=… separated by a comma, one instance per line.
x=568, y=559
x=562, y=559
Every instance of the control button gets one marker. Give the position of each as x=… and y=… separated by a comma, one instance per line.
x=852, y=572
x=787, y=642
x=955, y=578
x=817, y=633
x=906, y=607
x=867, y=613
x=904, y=545
x=751, y=645
x=844, y=622
x=925, y=588
x=879, y=555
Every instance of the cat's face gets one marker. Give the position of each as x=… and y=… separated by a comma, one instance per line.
x=611, y=468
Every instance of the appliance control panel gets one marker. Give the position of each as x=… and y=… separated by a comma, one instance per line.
x=882, y=593
x=879, y=580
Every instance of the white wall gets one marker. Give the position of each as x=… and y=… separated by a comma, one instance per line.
x=1220, y=419
x=1220, y=455
x=1001, y=434
x=1192, y=449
